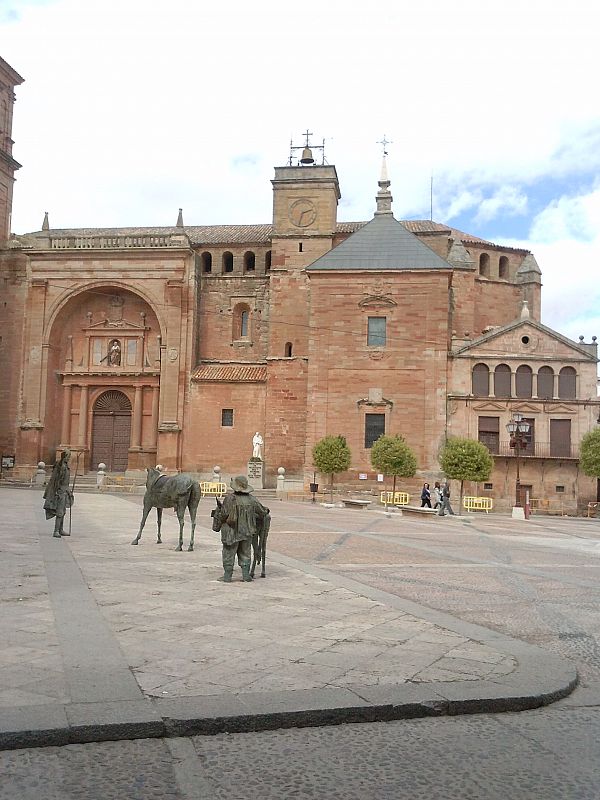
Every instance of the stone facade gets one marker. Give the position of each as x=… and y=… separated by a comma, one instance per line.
x=222, y=331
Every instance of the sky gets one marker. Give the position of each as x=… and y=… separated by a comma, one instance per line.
x=131, y=110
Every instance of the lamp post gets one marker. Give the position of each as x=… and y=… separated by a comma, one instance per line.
x=518, y=428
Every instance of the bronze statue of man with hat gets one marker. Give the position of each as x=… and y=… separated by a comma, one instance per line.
x=58, y=496
x=239, y=518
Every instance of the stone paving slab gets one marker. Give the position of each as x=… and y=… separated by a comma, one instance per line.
x=103, y=640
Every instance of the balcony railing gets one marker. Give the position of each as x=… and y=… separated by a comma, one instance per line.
x=538, y=450
x=112, y=242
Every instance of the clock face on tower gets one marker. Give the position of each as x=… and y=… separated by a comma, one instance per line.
x=302, y=213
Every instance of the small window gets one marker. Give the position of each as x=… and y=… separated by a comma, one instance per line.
x=545, y=383
x=206, y=259
x=227, y=262
x=300, y=247
x=376, y=333
x=268, y=260
x=489, y=433
x=502, y=380
x=249, y=261
x=560, y=489
x=567, y=383
x=484, y=265
x=227, y=417
x=374, y=428
x=524, y=381
x=244, y=320
x=481, y=380
x=131, y=352
x=288, y=349
x=503, y=268
x=487, y=487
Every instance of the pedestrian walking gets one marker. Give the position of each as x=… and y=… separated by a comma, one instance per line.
x=437, y=495
x=425, y=496
x=445, y=501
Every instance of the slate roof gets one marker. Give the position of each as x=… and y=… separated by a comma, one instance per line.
x=240, y=373
x=383, y=243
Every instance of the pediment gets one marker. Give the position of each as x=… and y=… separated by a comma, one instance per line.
x=525, y=408
x=560, y=408
x=377, y=301
x=489, y=406
x=109, y=324
x=527, y=340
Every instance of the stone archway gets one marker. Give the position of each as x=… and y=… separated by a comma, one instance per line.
x=111, y=431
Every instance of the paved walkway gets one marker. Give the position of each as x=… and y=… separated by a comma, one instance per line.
x=103, y=640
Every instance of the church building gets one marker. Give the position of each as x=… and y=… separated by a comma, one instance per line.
x=175, y=345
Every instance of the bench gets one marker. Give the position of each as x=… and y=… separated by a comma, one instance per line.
x=417, y=510
x=350, y=502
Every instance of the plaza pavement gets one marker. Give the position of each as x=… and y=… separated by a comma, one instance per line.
x=102, y=640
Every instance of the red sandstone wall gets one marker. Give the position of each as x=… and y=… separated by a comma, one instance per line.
x=13, y=293
x=286, y=410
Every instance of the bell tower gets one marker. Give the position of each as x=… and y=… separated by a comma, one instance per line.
x=9, y=78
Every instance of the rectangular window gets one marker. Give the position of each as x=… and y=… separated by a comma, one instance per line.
x=530, y=437
x=489, y=433
x=97, y=347
x=560, y=489
x=376, y=331
x=560, y=438
x=131, y=352
x=227, y=417
x=374, y=428
x=487, y=487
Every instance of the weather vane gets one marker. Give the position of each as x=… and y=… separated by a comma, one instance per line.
x=384, y=143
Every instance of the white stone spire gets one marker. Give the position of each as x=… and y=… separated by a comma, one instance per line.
x=384, y=196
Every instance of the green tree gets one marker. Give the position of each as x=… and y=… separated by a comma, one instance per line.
x=465, y=460
x=589, y=458
x=331, y=455
x=392, y=456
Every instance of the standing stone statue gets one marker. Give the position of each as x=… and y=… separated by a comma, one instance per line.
x=239, y=517
x=114, y=354
x=257, y=443
x=58, y=496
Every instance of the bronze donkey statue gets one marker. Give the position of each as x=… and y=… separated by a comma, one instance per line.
x=175, y=491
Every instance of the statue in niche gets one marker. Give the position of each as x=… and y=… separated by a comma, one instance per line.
x=113, y=357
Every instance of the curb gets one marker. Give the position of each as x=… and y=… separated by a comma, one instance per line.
x=79, y=723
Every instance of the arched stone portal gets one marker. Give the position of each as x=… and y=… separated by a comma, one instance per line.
x=111, y=431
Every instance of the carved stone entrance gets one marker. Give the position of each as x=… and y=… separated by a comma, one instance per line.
x=111, y=431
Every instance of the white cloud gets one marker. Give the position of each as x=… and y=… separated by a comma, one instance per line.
x=506, y=200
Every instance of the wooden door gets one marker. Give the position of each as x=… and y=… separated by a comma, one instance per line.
x=111, y=431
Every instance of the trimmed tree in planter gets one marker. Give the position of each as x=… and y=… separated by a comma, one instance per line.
x=332, y=455
x=465, y=460
x=392, y=456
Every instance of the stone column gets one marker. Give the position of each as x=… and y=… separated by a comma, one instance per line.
x=136, y=427
x=83, y=412
x=154, y=422
x=65, y=436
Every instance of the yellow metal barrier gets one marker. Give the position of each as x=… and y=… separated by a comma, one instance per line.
x=394, y=498
x=478, y=504
x=210, y=489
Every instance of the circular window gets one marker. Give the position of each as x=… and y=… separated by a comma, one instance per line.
x=525, y=339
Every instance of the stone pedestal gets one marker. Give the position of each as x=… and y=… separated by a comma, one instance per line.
x=40, y=474
x=518, y=512
x=255, y=474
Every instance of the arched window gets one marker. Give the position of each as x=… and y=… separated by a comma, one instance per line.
x=503, y=268
x=484, y=265
x=268, y=260
x=567, y=389
x=524, y=381
x=502, y=380
x=241, y=322
x=227, y=262
x=206, y=259
x=545, y=383
x=288, y=349
x=481, y=380
x=249, y=261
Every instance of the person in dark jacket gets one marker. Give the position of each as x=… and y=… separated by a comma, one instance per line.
x=445, y=501
x=425, y=496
